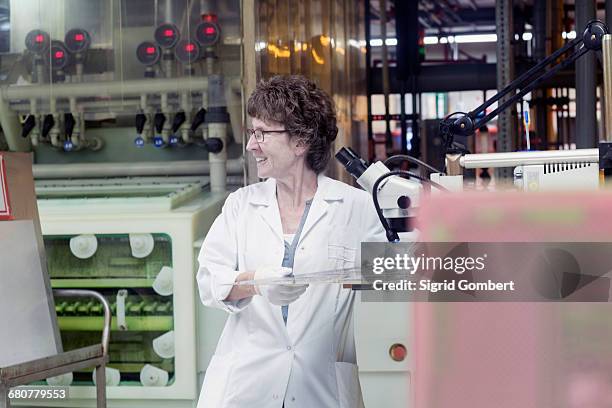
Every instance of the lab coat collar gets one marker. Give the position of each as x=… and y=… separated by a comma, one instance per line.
x=265, y=198
x=266, y=194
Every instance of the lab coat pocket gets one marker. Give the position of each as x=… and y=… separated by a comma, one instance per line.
x=340, y=251
x=215, y=382
x=349, y=390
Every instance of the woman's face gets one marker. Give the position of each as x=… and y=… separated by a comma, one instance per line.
x=278, y=154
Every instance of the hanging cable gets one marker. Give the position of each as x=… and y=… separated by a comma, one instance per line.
x=404, y=157
x=392, y=235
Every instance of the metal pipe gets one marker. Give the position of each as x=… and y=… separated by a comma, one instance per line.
x=506, y=122
x=102, y=299
x=89, y=105
x=513, y=159
x=607, y=74
x=165, y=168
x=608, y=13
x=586, y=119
x=539, y=53
x=168, y=11
x=385, y=68
x=104, y=89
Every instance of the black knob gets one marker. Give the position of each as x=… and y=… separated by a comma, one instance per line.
x=159, y=121
x=214, y=144
x=178, y=121
x=48, y=123
x=28, y=125
x=198, y=119
x=403, y=202
x=69, y=123
x=140, y=121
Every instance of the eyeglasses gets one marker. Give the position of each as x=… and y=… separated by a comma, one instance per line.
x=259, y=134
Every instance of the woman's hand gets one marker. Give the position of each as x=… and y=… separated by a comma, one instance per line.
x=277, y=294
x=242, y=291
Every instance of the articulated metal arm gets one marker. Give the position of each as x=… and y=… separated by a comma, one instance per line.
x=465, y=124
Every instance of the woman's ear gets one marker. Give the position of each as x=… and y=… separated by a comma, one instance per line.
x=300, y=147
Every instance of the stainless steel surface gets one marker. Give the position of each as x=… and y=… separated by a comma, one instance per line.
x=74, y=360
x=513, y=159
x=101, y=385
x=29, y=327
x=62, y=359
x=91, y=170
x=4, y=399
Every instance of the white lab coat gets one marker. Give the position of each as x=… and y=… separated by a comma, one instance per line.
x=310, y=361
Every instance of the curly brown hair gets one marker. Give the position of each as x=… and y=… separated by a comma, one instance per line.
x=306, y=111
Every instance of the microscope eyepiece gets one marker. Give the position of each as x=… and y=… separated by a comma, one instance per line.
x=354, y=164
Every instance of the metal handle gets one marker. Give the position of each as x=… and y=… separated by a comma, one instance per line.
x=102, y=299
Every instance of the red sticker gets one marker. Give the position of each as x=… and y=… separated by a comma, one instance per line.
x=5, y=208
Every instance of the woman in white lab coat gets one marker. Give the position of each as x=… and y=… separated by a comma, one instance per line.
x=290, y=346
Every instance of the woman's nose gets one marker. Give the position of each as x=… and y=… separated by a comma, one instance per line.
x=252, y=143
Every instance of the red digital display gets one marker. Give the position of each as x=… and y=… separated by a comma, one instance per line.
x=189, y=47
x=79, y=37
x=209, y=30
x=150, y=50
x=169, y=33
x=39, y=38
x=59, y=54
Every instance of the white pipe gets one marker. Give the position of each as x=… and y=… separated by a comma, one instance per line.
x=147, y=130
x=12, y=129
x=40, y=73
x=210, y=62
x=76, y=137
x=513, y=159
x=54, y=133
x=185, y=128
x=168, y=11
x=168, y=61
x=164, y=168
x=167, y=128
x=104, y=89
x=79, y=72
x=204, y=126
x=143, y=102
x=24, y=108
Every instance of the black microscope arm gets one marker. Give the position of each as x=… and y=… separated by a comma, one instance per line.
x=465, y=124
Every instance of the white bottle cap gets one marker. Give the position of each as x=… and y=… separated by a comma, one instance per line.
x=83, y=246
x=141, y=244
x=164, y=345
x=113, y=376
x=151, y=376
x=60, y=380
x=163, y=283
